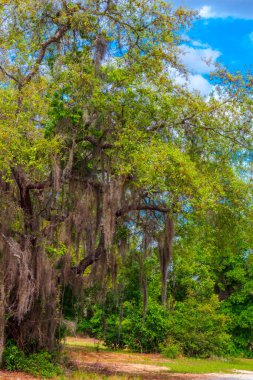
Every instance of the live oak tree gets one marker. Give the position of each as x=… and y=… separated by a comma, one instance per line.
x=94, y=136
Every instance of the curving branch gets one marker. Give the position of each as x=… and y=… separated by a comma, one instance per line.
x=92, y=258
x=43, y=48
x=142, y=207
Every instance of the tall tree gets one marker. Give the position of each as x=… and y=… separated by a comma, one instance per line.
x=94, y=134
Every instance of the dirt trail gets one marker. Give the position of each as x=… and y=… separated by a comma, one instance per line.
x=146, y=366
x=111, y=363
x=5, y=375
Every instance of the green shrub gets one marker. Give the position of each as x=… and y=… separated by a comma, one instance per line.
x=13, y=357
x=114, y=336
x=240, y=311
x=38, y=364
x=200, y=328
x=139, y=332
x=92, y=326
x=170, y=349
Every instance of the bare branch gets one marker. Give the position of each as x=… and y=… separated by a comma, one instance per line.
x=141, y=207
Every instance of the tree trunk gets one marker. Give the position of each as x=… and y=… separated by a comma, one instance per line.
x=143, y=283
x=165, y=254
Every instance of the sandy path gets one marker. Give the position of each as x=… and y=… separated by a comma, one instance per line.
x=137, y=364
x=5, y=375
x=111, y=363
x=238, y=375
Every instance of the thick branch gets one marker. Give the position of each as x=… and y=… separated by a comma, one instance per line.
x=91, y=259
x=43, y=48
x=25, y=201
x=39, y=185
x=141, y=207
x=54, y=222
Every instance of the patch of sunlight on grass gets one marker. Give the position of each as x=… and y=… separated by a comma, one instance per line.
x=189, y=365
x=75, y=342
x=90, y=345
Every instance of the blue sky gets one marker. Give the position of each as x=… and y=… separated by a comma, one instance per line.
x=223, y=33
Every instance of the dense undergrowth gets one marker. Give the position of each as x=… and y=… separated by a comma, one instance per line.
x=195, y=323
x=42, y=364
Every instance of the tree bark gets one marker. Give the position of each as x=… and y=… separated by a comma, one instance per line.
x=165, y=254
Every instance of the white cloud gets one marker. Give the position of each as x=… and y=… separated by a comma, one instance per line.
x=200, y=84
x=195, y=83
x=191, y=82
x=207, y=12
x=198, y=44
x=186, y=39
x=199, y=61
x=240, y=9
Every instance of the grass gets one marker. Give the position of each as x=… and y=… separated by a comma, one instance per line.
x=91, y=345
x=87, y=344
x=180, y=365
x=190, y=365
